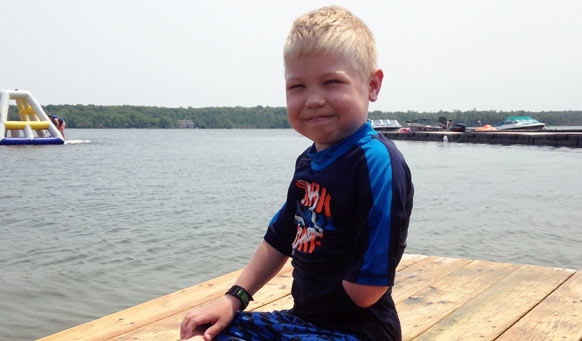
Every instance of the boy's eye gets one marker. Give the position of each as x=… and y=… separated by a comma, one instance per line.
x=331, y=81
x=294, y=86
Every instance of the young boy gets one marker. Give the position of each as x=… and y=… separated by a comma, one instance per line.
x=346, y=217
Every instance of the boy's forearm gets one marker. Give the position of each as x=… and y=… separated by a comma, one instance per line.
x=264, y=265
x=364, y=295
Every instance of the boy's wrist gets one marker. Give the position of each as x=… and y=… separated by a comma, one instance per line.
x=233, y=302
x=240, y=295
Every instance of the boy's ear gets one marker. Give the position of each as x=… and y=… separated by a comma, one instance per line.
x=374, y=85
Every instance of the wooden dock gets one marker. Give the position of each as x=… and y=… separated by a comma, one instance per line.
x=548, y=138
x=437, y=298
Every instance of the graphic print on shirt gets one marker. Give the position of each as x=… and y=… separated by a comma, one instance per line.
x=312, y=216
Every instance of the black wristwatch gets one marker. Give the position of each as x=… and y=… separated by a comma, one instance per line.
x=241, y=294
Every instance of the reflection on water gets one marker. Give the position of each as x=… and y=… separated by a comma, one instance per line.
x=94, y=228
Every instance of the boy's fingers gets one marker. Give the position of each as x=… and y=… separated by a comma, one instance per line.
x=184, y=324
x=186, y=319
x=213, y=330
x=189, y=324
x=188, y=331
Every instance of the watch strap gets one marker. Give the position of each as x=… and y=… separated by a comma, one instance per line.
x=241, y=294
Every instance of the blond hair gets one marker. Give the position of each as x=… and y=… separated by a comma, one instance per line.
x=333, y=29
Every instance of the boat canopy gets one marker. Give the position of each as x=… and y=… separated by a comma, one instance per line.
x=521, y=119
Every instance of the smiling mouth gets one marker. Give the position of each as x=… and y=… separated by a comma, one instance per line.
x=319, y=118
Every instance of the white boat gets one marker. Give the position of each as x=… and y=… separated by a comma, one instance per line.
x=415, y=126
x=522, y=123
x=385, y=124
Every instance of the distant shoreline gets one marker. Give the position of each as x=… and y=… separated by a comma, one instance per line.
x=128, y=116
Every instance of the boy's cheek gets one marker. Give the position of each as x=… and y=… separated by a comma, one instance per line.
x=293, y=101
x=293, y=110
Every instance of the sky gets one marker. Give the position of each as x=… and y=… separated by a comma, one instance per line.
x=436, y=55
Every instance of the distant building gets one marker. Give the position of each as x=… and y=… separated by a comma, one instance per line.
x=186, y=124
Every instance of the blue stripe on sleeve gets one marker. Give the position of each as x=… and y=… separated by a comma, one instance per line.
x=374, y=270
x=276, y=216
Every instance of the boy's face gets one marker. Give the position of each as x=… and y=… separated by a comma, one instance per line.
x=327, y=100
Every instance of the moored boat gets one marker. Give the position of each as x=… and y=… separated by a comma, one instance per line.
x=487, y=127
x=385, y=124
x=413, y=125
x=521, y=123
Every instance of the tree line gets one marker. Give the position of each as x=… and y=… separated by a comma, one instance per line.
x=128, y=116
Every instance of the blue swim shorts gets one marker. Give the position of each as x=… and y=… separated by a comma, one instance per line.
x=276, y=325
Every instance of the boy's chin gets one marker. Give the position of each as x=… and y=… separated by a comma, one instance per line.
x=324, y=144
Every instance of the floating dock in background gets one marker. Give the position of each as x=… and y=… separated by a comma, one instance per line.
x=571, y=139
x=437, y=298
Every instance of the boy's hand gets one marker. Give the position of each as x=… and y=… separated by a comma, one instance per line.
x=218, y=315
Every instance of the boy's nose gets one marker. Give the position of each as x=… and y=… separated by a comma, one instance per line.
x=314, y=100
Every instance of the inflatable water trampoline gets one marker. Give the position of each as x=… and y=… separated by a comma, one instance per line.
x=34, y=126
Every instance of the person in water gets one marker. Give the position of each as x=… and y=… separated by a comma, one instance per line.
x=347, y=210
x=59, y=123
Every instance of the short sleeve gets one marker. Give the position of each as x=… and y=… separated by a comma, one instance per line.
x=281, y=231
x=370, y=263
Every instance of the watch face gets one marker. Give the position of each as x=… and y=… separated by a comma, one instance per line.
x=241, y=294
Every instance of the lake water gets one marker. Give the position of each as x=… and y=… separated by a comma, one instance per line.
x=90, y=229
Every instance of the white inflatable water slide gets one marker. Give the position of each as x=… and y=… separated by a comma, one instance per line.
x=34, y=126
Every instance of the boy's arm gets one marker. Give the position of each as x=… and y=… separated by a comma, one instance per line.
x=364, y=295
x=264, y=265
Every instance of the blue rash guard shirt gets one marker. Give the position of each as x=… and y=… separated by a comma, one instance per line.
x=346, y=218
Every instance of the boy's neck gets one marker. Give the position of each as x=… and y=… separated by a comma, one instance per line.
x=320, y=147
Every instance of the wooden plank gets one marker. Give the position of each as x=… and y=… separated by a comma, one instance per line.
x=436, y=297
x=407, y=260
x=500, y=306
x=169, y=327
x=422, y=274
x=165, y=329
x=558, y=317
x=426, y=308
x=276, y=295
x=132, y=318
x=135, y=317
